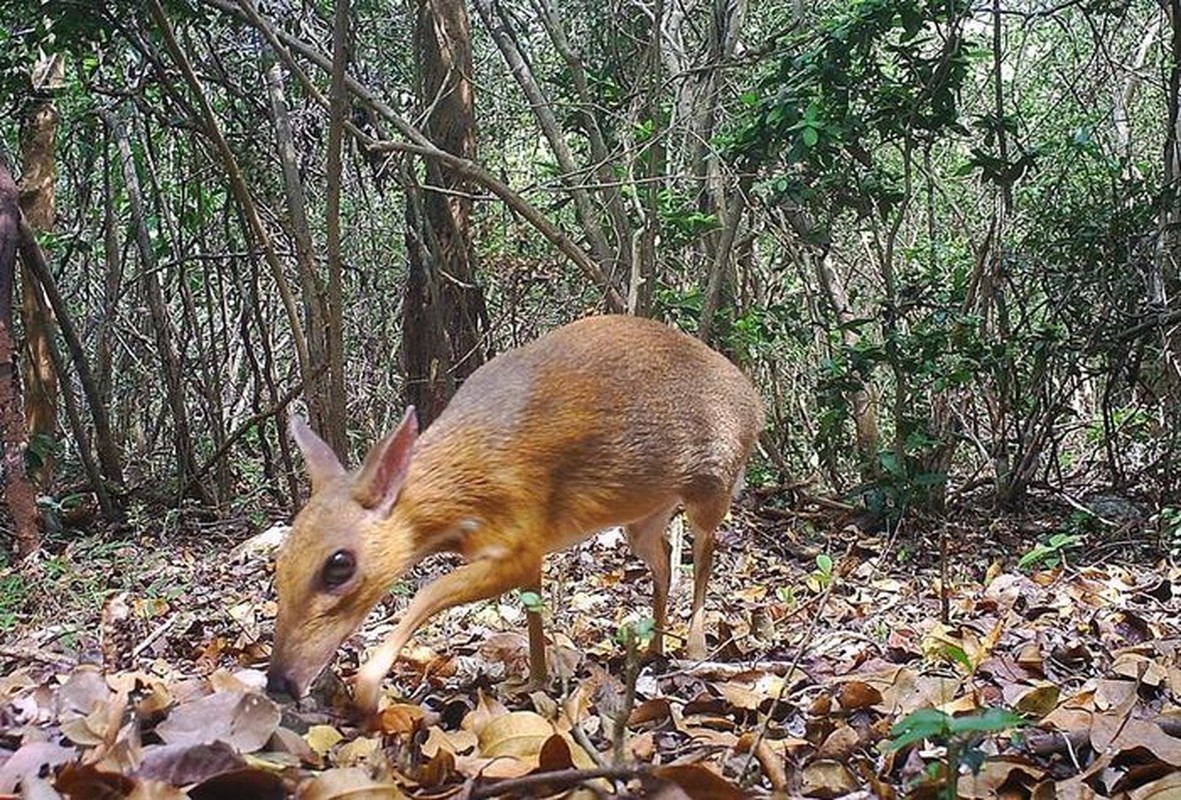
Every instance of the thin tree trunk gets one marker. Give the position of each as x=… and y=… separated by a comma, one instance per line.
x=605, y=163
x=317, y=394
x=1008, y=484
x=335, y=412
x=418, y=144
x=862, y=399
x=170, y=362
x=112, y=280
x=19, y=495
x=34, y=260
x=697, y=108
x=1168, y=255
x=731, y=219
x=38, y=154
x=1166, y=281
x=946, y=404
x=240, y=190
x=651, y=163
x=426, y=358
x=445, y=318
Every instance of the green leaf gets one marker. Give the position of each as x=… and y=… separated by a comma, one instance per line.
x=640, y=631
x=930, y=479
x=532, y=601
x=958, y=655
x=924, y=723
x=988, y=720
x=890, y=464
x=810, y=136
x=1033, y=556
x=824, y=563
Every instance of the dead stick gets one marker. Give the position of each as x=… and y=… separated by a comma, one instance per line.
x=39, y=656
x=725, y=670
x=557, y=779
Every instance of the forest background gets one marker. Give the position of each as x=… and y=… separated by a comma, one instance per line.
x=942, y=237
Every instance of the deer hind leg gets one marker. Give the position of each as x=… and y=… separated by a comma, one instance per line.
x=705, y=515
x=646, y=536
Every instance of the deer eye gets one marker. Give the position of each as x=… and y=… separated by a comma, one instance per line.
x=338, y=569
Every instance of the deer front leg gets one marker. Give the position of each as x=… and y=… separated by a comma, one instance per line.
x=479, y=580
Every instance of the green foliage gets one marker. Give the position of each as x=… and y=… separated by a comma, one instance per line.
x=898, y=486
x=637, y=633
x=41, y=447
x=78, y=572
x=78, y=31
x=532, y=602
x=15, y=592
x=877, y=74
x=942, y=350
x=1170, y=529
x=31, y=28
x=1050, y=553
x=55, y=509
x=681, y=220
x=821, y=578
x=961, y=736
x=953, y=653
x=941, y=727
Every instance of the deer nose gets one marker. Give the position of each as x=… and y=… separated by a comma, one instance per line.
x=280, y=687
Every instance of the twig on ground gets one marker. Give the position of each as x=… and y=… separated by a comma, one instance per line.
x=724, y=670
x=156, y=633
x=553, y=781
x=38, y=656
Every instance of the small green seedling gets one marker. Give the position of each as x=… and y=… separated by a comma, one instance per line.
x=960, y=737
x=820, y=578
x=955, y=654
x=787, y=595
x=638, y=632
x=1052, y=553
x=532, y=602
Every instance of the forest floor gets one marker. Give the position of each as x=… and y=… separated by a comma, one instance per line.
x=132, y=666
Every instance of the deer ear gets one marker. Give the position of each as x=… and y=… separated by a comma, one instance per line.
x=386, y=466
x=322, y=463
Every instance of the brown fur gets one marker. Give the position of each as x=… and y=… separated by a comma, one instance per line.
x=608, y=421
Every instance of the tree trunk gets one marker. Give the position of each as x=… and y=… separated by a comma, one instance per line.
x=171, y=365
x=335, y=407
x=38, y=271
x=1169, y=242
x=606, y=253
x=240, y=190
x=38, y=151
x=316, y=392
x=697, y=106
x=606, y=164
x=418, y=144
x=445, y=317
x=862, y=399
x=18, y=493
